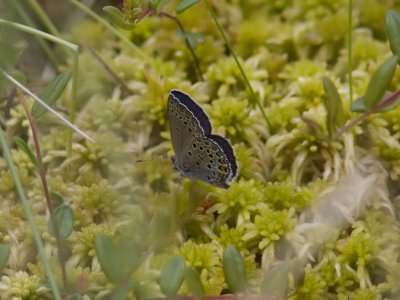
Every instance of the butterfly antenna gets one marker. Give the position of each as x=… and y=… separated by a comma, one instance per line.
x=154, y=158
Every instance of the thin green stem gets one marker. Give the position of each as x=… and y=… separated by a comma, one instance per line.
x=115, y=31
x=75, y=50
x=39, y=33
x=43, y=17
x=28, y=21
x=30, y=218
x=42, y=174
x=246, y=80
x=350, y=50
x=187, y=43
x=74, y=98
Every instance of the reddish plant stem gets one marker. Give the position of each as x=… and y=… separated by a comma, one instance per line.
x=42, y=174
x=363, y=116
x=196, y=61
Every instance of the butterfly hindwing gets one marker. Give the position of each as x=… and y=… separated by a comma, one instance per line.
x=204, y=159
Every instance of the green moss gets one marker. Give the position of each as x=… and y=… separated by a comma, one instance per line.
x=21, y=285
x=285, y=195
x=231, y=117
x=269, y=226
x=313, y=286
x=225, y=79
x=231, y=236
x=239, y=202
x=206, y=259
x=83, y=251
x=285, y=48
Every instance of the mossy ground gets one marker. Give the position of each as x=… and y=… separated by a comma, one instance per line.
x=299, y=192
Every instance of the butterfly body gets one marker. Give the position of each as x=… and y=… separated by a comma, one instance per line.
x=198, y=153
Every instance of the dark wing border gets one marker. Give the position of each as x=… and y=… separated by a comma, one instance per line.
x=194, y=108
x=226, y=147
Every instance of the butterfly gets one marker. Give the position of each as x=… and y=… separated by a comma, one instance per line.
x=198, y=153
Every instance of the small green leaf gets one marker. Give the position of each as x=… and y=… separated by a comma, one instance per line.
x=117, y=17
x=117, y=261
x=193, y=38
x=57, y=199
x=335, y=114
x=65, y=220
x=121, y=291
x=138, y=289
x=184, y=5
x=234, y=269
x=380, y=81
x=276, y=281
x=359, y=105
x=161, y=4
x=392, y=20
x=51, y=94
x=9, y=54
x=172, y=276
x=192, y=279
x=4, y=254
x=22, y=145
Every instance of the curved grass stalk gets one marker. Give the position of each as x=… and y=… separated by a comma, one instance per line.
x=187, y=43
x=39, y=33
x=30, y=93
x=26, y=18
x=123, y=38
x=246, y=80
x=43, y=17
x=29, y=216
x=350, y=50
x=75, y=50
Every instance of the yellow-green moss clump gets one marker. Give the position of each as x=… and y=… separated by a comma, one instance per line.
x=300, y=193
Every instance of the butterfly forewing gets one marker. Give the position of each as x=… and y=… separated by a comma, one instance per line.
x=184, y=126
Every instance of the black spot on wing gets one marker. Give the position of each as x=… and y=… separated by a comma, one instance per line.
x=193, y=107
x=228, y=150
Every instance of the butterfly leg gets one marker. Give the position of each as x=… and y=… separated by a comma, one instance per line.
x=180, y=177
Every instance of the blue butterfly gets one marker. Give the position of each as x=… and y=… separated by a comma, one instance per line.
x=198, y=153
